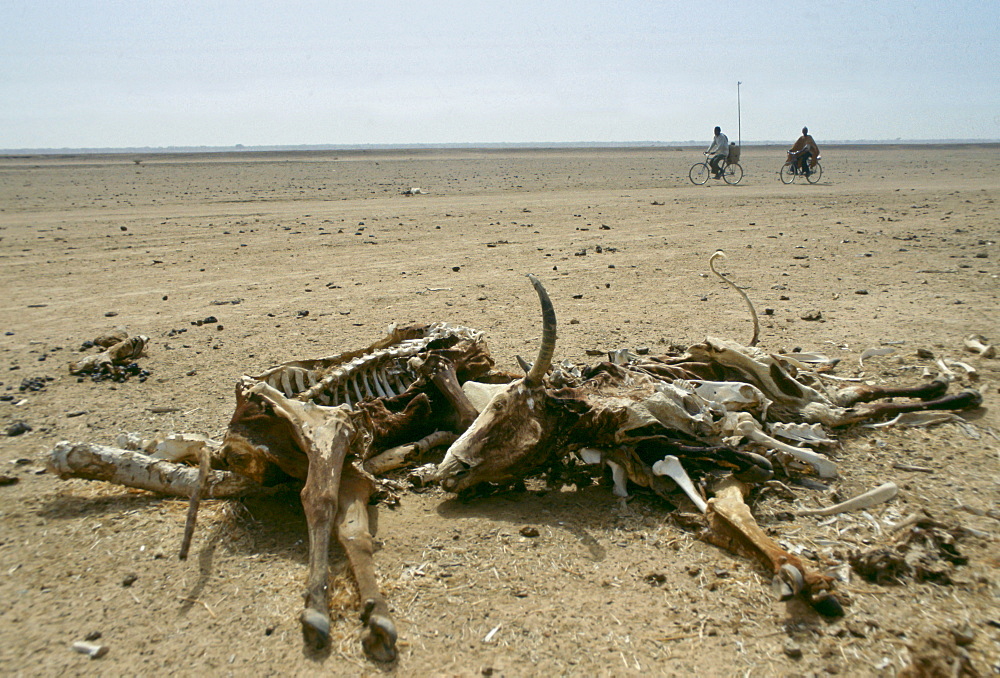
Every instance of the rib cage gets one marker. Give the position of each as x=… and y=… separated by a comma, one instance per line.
x=384, y=369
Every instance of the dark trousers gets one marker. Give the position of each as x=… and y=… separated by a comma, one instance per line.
x=715, y=164
x=804, y=162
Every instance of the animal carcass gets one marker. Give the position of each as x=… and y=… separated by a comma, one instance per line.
x=647, y=419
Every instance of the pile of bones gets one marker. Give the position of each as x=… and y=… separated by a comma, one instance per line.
x=729, y=415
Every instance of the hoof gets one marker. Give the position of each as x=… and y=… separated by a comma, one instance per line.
x=828, y=606
x=379, y=641
x=315, y=629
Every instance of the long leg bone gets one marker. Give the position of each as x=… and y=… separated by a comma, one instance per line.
x=732, y=527
x=355, y=534
x=90, y=461
x=874, y=497
x=324, y=435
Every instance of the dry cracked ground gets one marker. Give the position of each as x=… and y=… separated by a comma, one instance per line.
x=234, y=263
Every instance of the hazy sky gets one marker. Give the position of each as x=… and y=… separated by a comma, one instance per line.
x=92, y=73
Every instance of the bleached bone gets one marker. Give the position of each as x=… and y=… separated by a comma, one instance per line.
x=806, y=361
x=118, y=354
x=748, y=427
x=181, y=446
x=619, y=478
x=90, y=649
x=874, y=497
x=977, y=344
x=915, y=419
x=173, y=447
x=135, y=469
x=399, y=456
x=671, y=467
x=872, y=352
x=812, y=434
x=969, y=370
x=381, y=370
x=733, y=395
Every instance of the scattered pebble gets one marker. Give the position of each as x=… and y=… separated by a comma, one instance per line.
x=812, y=315
x=792, y=650
x=129, y=579
x=17, y=428
x=529, y=531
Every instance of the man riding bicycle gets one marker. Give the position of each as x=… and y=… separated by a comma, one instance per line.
x=719, y=151
x=803, y=154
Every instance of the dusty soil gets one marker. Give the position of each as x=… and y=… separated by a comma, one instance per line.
x=895, y=246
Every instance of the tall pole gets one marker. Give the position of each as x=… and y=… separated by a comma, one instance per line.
x=739, y=128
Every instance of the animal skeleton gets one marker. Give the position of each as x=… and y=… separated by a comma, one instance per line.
x=644, y=418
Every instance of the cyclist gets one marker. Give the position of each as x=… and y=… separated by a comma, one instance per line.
x=719, y=151
x=803, y=153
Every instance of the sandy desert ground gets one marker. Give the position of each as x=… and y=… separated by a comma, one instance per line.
x=896, y=246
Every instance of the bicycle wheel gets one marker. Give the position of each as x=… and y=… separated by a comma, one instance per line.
x=733, y=174
x=814, y=174
x=699, y=173
x=786, y=173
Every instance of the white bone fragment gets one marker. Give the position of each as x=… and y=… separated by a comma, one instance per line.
x=397, y=457
x=948, y=374
x=131, y=441
x=670, y=466
x=588, y=455
x=90, y=649
x=915, y=419
x=834, y=377
x=871, y=352
x=619, y=478
x=977, y=344
x=746, y=426
x=804, y=433
x=489, y=636
x=179, y=446
x=480, y=394
x=809, y=360
x=733, y=395
x=969, y=370
x=880, y=494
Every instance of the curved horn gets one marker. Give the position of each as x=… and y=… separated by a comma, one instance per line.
x=753, y=313
x=548, y=347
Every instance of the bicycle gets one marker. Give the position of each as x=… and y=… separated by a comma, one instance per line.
x=789, y=171
x=699, y=173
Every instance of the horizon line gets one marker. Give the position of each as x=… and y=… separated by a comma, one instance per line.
x=453, y=145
